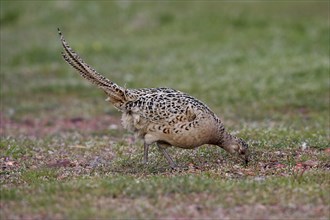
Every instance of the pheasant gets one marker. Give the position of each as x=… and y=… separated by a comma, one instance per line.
x=164, y=116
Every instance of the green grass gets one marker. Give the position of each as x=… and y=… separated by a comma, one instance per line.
x=262, y=67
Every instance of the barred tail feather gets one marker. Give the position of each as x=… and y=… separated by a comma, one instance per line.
x=115, y=92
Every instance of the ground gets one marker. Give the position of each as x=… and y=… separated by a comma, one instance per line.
x=262, y=67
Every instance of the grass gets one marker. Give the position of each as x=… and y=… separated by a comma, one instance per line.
x=262, y=67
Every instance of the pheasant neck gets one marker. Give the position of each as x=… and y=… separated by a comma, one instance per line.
x=227, y=141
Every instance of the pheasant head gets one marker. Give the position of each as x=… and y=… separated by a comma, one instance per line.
x=235, y=145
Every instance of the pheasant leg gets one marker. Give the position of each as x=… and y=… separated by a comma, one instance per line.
x=167, y=156
x=145, y=156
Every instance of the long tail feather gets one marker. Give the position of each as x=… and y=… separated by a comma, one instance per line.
x=115, y=92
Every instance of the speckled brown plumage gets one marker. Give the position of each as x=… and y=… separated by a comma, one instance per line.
x=163, y=116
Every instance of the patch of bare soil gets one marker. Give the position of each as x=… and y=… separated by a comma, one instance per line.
x=42, y=127
x=260, y=211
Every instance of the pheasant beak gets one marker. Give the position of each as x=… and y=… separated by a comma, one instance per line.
x=246, y=160
x=244, y=155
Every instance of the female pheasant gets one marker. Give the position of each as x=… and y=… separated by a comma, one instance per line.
x=163, y=116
